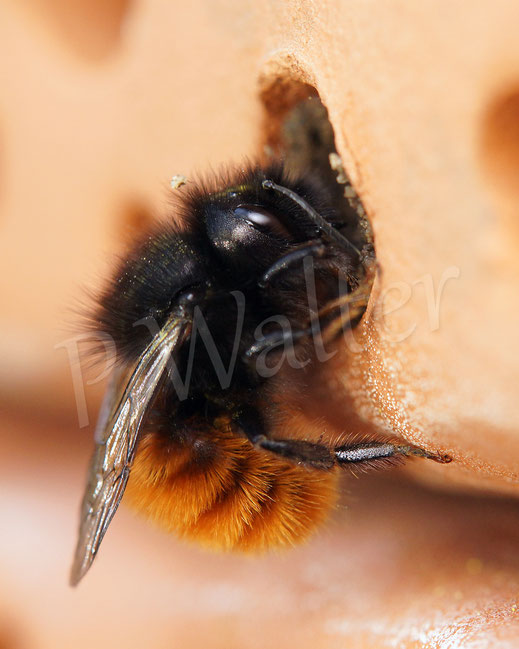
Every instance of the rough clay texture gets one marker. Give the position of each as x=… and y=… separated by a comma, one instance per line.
x=102, y=103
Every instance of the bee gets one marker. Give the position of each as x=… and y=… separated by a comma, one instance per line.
x=218, y=319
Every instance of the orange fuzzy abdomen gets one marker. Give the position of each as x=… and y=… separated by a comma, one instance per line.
x=219, y=490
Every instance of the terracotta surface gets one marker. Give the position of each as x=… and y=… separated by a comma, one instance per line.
x=101, y=104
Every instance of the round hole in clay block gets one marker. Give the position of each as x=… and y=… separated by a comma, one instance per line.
x=90, y=29
x=500, y=155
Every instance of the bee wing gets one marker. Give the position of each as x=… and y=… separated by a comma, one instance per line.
x=125, y=404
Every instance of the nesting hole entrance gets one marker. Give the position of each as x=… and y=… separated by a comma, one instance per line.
x=297, y=129
x=499, y=155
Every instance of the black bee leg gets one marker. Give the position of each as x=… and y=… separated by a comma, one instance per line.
x=319, y=456
x=381, y=452
x=275, y=339
x=316, y=249
x=367, y=454
x=327, y=230
x=315, y=456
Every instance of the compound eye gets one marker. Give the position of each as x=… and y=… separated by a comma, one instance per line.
x=262, y=220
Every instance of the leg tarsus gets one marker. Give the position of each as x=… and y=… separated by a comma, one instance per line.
x=316, y=249
x=441, y=458
x=373, y=451
x=365, y=452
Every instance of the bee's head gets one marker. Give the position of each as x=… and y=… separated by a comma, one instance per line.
x=250, y=227
x=246, y=236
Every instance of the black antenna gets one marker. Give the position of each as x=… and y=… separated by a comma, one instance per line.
x=316, y=218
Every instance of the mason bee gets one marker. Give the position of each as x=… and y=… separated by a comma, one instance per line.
x=218, y=320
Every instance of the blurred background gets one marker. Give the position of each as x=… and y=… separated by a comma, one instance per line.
x=102, y=102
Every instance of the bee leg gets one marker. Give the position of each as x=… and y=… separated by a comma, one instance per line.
x=316, y=330
x=315, y=456
x=275, y=339
x=320, y=456
x=376, y=452
x=327, y=230
x=251, y=424
x=316, y=249
x=338, y=262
